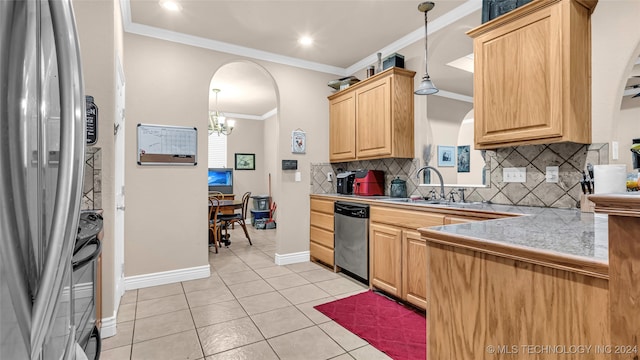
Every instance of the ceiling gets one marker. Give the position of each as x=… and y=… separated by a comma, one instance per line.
x=347, y=35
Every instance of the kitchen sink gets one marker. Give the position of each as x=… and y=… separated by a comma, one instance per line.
x=435, y=202
x=420, y=201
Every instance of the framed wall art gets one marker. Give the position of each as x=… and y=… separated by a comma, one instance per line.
x=464, y=160
x=298, y=142
x=245, y=161
x=446, y=155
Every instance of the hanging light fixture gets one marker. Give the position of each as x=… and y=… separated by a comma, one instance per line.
x=217, y=121
x=426, y=86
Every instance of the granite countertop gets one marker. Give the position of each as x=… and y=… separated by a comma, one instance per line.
x=560, y=231
x=581, y=238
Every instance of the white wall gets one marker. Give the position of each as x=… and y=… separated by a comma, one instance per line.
x=100, y=33
x=248, y=138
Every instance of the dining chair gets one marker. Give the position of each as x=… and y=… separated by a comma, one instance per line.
x=228, y=220
x=214, y=222
x=216, y=194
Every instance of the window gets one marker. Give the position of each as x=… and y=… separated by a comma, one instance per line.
x=217, y=151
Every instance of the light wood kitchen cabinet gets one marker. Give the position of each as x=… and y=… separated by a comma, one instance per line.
x=321, y=231
x=414, y=263
x=374, y=118
x=397, y=254
x=385, y=262
x=342, y=127
x=532, y=79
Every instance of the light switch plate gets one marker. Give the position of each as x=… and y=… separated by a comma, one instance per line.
x=615, y=151
x=518, y=174
x=553, y=174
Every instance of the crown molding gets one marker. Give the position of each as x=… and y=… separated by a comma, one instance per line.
x=441, y=22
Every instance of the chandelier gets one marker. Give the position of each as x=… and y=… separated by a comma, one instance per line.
x=217, y=121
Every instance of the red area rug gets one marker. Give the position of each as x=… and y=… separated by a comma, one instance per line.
x=399, y=332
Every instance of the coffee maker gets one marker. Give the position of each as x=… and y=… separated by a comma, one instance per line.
x=345, y=182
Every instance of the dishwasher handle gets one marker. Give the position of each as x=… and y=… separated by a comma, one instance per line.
x=351, y=209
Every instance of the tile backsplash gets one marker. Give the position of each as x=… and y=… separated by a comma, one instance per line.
x=571, y=159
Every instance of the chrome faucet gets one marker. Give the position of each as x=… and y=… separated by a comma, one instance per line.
x=442, y=195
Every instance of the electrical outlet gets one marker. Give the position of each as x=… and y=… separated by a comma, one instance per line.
x=329, y=176
x=615, y=151
x=510, y=175
x=553, y=173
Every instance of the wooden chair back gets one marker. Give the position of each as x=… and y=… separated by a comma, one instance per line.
x=214, y=228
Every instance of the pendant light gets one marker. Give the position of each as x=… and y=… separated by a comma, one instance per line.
x=217, y=121
x=426, y=86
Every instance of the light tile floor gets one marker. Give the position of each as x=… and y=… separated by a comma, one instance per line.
x=249, y=308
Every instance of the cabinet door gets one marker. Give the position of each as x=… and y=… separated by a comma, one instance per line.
x=414, y=269
x=342, y=128
x=518, y=80
x=373, y=119
x=385, y=251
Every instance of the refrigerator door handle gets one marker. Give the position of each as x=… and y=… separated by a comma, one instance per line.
x=11, y=259
x=70, y=172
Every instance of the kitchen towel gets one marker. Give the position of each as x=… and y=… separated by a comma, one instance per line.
x=609, y=179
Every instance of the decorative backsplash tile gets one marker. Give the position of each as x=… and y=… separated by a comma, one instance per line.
x=569, y=157
x=92, y=184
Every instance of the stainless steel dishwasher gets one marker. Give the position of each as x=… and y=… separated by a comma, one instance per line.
x=351, y=238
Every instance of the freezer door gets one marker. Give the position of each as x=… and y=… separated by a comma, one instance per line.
x=41, y=155
x=53, y=329
x=18, y=107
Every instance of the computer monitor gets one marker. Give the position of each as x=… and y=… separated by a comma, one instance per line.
x=221, y=179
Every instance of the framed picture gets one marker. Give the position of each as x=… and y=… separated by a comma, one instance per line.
x=298, y=142
x=245, y=161
x=464, y=159
x=446, y=155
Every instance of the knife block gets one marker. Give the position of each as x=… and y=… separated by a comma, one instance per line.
x=586, y=205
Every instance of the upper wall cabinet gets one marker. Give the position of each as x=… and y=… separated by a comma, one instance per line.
x=373, y=119
x=532, y=79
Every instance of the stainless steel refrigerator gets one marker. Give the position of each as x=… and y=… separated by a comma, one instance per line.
x=42, y=109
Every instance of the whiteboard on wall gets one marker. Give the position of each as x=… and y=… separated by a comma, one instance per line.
x=167, y=145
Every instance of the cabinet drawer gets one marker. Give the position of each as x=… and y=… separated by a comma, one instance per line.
x=321, y=236
x=405, y=218
x=321, y=253
x=323, y=206
x=323, y=221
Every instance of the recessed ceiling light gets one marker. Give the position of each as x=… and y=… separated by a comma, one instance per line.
x=464, y=63
x=305, y=40
x=170, y=5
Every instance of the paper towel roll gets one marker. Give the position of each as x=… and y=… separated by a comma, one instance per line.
x=610, y=179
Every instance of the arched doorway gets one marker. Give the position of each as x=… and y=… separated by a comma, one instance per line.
x=249, y=97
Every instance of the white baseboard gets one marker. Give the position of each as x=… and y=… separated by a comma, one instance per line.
x=108, y=328
x=166, y=277
x=292, y=258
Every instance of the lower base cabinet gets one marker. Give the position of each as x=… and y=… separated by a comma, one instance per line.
x=321, y=232
x=385, y=258
x=398, y=254
x=414, y=266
